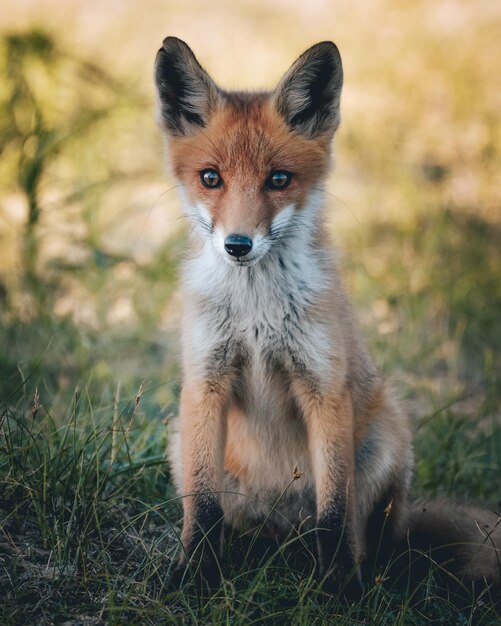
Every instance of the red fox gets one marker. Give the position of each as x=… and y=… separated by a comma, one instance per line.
x=285, y=423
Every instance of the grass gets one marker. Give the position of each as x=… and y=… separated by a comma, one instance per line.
x=89, y=358
x=90, y=529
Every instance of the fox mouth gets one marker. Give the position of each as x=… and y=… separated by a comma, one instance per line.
x=241, y=262
x=246, y=261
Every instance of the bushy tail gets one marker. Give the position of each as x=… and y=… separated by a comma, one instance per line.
x=463, y=541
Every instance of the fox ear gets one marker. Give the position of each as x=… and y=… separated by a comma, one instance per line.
x=185, y=92
x=309, y=94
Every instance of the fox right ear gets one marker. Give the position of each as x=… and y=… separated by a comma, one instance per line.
x=308, y=96
x=186, y=94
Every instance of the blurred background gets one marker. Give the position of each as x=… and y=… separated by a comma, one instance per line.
x=91, y=233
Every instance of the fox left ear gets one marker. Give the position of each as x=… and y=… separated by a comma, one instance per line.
x=186, y=94
x=309, y=94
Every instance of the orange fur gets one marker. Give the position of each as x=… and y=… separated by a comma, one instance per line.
x=244, y=145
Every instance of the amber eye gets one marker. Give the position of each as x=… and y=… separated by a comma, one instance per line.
x=210, y=178
x=278, y=180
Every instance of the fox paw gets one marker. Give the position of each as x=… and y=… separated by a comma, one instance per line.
x=201, y=578
x=336, y=582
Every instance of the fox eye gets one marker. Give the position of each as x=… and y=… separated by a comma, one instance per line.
x=278, y=180
x=210, y=178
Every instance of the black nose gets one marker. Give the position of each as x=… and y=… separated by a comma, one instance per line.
x=238, y=245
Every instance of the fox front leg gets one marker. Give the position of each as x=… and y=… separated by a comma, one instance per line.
x=203, y=409
x=329, y=423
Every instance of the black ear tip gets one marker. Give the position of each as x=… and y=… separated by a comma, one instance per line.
x=172, y=47
x=173, y=43
x=325, y=48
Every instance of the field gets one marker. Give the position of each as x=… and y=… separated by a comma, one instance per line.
x=91, y=237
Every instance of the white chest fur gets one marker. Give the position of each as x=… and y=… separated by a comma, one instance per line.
x=263, y=311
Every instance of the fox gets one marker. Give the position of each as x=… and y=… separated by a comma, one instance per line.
x=285, y=423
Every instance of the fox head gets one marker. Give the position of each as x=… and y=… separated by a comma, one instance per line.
x=249, y=164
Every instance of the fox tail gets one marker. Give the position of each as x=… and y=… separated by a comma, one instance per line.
x=463, y=542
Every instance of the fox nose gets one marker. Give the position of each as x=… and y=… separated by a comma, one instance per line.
x=238, y=245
